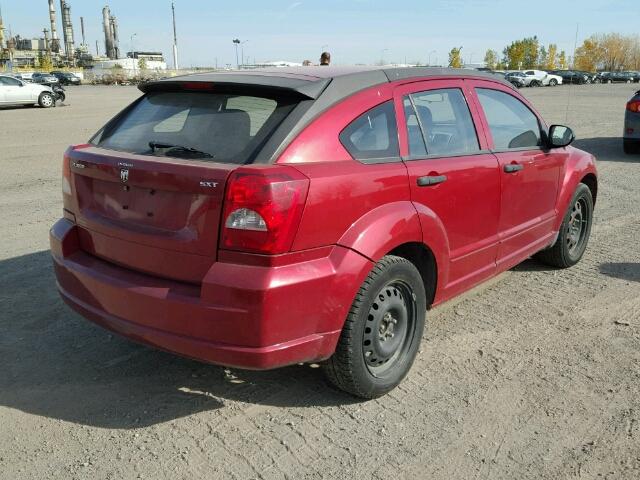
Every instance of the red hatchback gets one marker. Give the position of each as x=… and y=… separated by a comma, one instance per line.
x=266, y=218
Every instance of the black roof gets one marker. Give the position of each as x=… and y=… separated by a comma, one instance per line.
x=319, y=88
x=311, y=82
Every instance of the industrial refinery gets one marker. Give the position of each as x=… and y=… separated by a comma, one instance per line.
x=54, y=49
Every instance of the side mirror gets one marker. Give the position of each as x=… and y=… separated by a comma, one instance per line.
x=560, y=136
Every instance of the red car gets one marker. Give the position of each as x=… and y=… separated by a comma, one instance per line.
x=266, y=218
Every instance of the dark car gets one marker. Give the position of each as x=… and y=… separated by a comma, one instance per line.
x=259, y=219
x=572, y=76
x=44, y=78
x=631, y=136
x=617, y=77
x=67, y=78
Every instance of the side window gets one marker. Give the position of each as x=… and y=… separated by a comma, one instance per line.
x=373, y=134
x=511, y=122
x=439, y=123
x=10, y=82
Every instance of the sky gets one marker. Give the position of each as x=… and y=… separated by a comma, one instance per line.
x=353, y=31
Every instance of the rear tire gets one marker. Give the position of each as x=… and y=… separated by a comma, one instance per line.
x=46, y=100
x=382, y=332
x=574, y=232
x=631, y=147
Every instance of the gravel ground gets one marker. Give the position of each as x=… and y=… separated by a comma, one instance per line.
x=533, y=376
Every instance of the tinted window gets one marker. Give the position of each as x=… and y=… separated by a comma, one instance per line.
x=512, y=124
x=439, y=123
x=373, y=134
x=11, y=82
x=218, y=127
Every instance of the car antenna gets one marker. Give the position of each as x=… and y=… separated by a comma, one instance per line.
x=575, y=47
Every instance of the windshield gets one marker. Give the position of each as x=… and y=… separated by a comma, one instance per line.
x=227, y=128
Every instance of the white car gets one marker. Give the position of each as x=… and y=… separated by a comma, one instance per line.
x=539, y=78
x=17, y=92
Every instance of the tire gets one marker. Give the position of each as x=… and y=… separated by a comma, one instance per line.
x=631, y=147
x=553, y=82
x=574, y=232
x=46, y=100
x=382, y=332
x=534, y=83
x=609, y=81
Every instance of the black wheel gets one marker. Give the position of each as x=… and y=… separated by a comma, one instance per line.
x=382, y=332
x=553, y=82
x=631, y=146
x=574, y=232
x=609, y=81
x=534, y=83
x=45, y=100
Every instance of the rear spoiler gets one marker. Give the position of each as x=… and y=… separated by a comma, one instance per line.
x=309, y=87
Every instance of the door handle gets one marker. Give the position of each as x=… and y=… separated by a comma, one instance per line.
x=429, y=180
x=513, y=168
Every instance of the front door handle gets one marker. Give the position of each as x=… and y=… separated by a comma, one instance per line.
x=513, y=168
x=429, y=180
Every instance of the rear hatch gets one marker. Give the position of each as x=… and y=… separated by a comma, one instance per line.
x=147, y=193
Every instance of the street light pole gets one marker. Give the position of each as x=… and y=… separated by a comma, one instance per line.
x=430, y=53
x=133, y=54
x=236, y=42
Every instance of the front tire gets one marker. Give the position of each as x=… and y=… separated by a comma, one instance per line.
x=553, y=82
x=574, y=232
x=46, y=100
x=382, y=332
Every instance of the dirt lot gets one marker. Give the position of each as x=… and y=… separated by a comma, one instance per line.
x=536, y=375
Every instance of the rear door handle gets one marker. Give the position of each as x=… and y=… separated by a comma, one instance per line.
x=513, y=168
x=429, y=180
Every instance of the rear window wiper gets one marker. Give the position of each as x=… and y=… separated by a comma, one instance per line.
x=170, y=147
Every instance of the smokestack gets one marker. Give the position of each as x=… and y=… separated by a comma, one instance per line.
x=175, y=38
x=46, y=39
x=67, y=29
x=1, y=31
x=115, y=37
x=55, y=42
x=84, y=42
x=106, y=25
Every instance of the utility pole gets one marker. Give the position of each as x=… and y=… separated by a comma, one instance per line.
x=236, y=42
x=175, y=38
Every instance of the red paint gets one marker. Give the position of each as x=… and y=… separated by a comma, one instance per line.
x=165, y=271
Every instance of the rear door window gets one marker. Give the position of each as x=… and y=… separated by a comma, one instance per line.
x=373, y=135
x=226, y=128
x=512, y=124
x=439, y=123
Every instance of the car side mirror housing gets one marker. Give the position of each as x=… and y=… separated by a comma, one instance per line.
x=560, y=136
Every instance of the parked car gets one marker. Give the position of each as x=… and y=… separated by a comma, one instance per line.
x=631, y=136
x=616, y=77
x=25, y=77
x=266, y=218
x=66, y=78
x=44, y=78
x=572, y=76
x=635, y=76
x=14, y=91
x=517, y=79
x=539, y=78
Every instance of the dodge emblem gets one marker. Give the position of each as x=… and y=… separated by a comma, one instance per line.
x=124, y=175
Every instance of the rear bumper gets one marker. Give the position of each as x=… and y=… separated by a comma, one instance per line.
x=631, y=126
x=246, y=316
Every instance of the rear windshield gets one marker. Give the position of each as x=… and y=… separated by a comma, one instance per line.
x=226, y=128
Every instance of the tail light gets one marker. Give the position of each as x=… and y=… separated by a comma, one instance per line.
x=262, y=209
x=634, y=106
x=66, y=176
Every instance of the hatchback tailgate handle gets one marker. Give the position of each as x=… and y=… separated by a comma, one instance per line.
x=429, y=180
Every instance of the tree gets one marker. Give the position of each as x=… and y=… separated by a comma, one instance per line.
x=142, y=64
x=522, y=53
x=455, y=58
x=562, y=60
x=45, y=62
x=491, y=59
x=552, y=54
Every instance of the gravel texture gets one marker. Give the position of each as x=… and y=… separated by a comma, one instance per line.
x=535, y=375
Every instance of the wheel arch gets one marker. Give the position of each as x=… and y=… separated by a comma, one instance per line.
x=422, y=257
x=591, y=181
